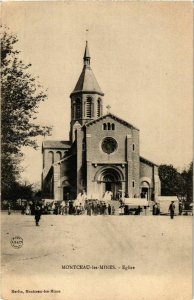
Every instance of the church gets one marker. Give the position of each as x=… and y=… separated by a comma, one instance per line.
x=102, y=153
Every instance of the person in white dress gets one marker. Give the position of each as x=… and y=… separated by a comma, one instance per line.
x=107, y=196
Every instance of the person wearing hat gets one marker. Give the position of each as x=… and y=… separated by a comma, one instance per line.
x=180, y=208
x=37, y=215
x=172, y=209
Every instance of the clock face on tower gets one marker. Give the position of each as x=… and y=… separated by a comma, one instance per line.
x=109, y=145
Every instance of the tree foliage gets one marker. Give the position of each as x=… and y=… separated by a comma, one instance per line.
x=174, y=183
x=21, y=96
x=187, y=174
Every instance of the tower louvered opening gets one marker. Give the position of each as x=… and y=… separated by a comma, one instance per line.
x=89, y=107
x=98, y=108
x=78, y=109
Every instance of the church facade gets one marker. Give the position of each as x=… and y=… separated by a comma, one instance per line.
x=102, y=153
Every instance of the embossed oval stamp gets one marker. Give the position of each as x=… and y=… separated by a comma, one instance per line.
x=16, y=242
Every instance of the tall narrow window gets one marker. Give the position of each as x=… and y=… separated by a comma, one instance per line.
x=109, y=126
x=133, y=147
x=51, y=157
x=98, y=107
x=89, y=107
x=78, y=109
x=104, y=126
x=113, y=126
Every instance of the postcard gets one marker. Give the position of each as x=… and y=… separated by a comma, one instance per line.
x=97, y=136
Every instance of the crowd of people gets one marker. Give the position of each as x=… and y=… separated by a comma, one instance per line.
x=84, y=206
x=90, y=207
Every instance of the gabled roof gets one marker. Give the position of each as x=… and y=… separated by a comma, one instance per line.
x=56, y=144
x=114, y=117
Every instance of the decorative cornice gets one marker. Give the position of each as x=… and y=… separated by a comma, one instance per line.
x=86, y=92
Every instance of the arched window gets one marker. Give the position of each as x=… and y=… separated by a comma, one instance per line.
x=58, y=155
x=99, y=107
x=133, y=147
x=78, y=109
x=108, y=126
x=104, y=126
x=51, y=157
x=89, y=107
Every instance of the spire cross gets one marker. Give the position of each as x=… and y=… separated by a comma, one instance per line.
x=108, y=109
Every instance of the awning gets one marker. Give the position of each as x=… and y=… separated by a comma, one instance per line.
x=135, y=202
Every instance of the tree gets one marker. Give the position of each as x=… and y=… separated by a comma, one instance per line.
x=21, y=96
x=187, y=174
x=172, y=183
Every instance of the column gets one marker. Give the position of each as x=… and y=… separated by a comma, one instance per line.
x=129, y=166
x=57, y=185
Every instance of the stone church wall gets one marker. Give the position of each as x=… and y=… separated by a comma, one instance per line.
x=146, y=170
x=126, y=156
x=95, y=135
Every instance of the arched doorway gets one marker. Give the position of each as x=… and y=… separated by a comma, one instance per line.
x=145, y=190
x=66, y=190
x=110, y=179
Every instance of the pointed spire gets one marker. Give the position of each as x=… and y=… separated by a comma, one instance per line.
x=87, y=82
x=86, y=55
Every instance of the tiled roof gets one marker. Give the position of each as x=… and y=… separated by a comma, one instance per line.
x=56, y=144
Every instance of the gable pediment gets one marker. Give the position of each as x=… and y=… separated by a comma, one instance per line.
x=114, y=118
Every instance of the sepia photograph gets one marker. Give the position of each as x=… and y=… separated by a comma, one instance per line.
x=97, y=150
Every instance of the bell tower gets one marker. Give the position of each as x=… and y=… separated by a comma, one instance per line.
x=86, y=98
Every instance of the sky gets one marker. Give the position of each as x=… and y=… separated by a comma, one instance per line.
x=142, y=57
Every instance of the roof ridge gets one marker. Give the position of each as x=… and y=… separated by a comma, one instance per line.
x=149, y=161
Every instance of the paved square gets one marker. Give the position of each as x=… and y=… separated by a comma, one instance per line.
x=150, y=257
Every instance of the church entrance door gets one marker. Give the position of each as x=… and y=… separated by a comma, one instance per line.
x=66, y=193
x=108, y=186
x=145, y=189
x=109, y=179
x=111, y=182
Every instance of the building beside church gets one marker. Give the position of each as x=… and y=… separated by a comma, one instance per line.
x=102, y=153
